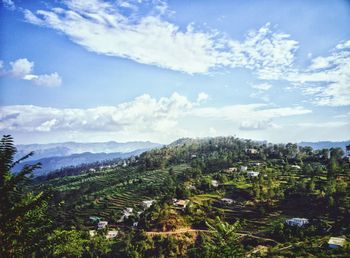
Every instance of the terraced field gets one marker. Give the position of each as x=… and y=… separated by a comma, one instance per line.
x=106, y=193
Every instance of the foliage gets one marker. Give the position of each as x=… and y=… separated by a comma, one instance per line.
x=222, y=241
x=23, y=221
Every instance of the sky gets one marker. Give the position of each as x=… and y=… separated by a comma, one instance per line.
x=154, y=70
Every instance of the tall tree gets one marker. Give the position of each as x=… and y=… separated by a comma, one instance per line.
x=23, y=217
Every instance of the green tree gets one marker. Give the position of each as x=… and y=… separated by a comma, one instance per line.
x=99, y=246
x=23, y=214
x=223, y=239
x=65, y=243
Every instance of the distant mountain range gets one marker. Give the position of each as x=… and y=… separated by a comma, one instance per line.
x=325, y=145
x=54, y=156
x=53, y=163
x=69, y=148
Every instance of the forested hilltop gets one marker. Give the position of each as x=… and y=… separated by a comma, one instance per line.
x=213, y=197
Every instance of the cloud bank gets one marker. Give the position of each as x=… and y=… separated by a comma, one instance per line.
x=166, y=118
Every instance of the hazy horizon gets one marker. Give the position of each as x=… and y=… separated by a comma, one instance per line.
x=166, y=143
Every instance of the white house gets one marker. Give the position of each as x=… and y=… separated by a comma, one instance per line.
x=180, y=204
x=232, y=169
x=111, y=234
x=252, y=174
x=227, y=201
x=243, y=168
x=214, y=183
x=102, y=224
x=296, y=166
x=127, y=212
x=252, y=151
x=147, y=204
x=300, y=222
x=336, y=242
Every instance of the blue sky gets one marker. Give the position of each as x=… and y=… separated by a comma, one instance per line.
x=157, y=70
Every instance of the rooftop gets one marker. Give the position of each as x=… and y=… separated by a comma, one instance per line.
x=336, y=241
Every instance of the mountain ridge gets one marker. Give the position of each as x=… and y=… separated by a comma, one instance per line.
x=69, y=148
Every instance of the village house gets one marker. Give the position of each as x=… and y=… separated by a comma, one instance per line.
x=232, y=169
x=296, y=166
x=227, y=201
x=214, y=183
x=92, y=170
x=251, y=151
x=243, y=168
x=111, y=234
x=252, y=174
x=147, y=204
x=300, y=222
x=127, y=212
x=256, y=164
x=193, y=156
x=94, y=219
x=336, y=242
x=102, y=224
x=180, y=204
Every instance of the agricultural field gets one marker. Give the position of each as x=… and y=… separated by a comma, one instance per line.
x=105, y=193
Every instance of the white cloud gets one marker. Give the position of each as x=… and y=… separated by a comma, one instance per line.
x=47, y=126
x=150, y=39
x=328, y=78
x=332, y=124
x=248, y=112
x=166, y=118
x=267, y=52
x=319, y=63
x=262, y=86
x=255, y=125
x=49, y=80
x=260, y=94
x=202, y=96
x=9, y=4
x=143, y=113
x=23, y=69
x=147, y=37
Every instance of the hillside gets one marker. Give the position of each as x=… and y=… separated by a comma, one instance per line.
x=256, y=184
